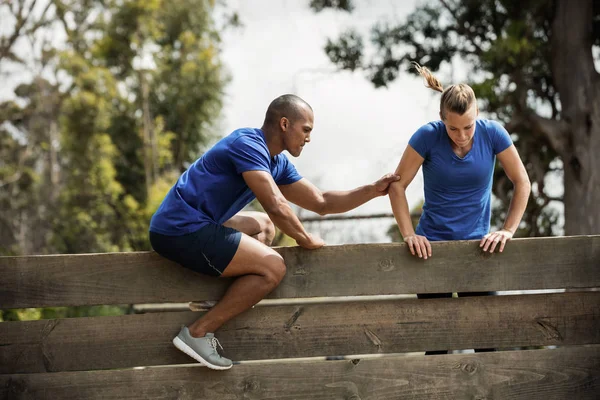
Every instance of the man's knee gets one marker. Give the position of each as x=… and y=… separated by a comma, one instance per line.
x=255, y=224
x=274, y=269
x=268, y=229
x=265, y=228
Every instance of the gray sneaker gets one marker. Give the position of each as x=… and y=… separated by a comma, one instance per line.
x=203, y=350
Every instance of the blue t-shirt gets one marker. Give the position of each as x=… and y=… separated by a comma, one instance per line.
x=212, y=190
x=458, y=190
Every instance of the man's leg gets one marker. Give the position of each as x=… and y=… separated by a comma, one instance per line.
x=255, y=224
x=258, y=267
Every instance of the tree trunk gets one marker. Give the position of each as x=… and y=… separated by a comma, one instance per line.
x=578, y=85
x=148, y=135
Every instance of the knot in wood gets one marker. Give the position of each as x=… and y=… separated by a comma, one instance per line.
x=349, y=389
x=251, y=385
x=386, y=265
x=469, y=367
x=300, y=271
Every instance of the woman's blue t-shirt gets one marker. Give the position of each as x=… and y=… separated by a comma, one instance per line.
x=212, y=189
x=458, y=190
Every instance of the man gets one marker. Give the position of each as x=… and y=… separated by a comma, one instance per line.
x=199, y=224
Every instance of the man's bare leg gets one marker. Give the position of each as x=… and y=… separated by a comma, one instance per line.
x=259, y=268
x=255, y=224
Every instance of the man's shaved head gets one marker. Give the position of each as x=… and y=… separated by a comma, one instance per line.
x=288, y=124
x=289, y=106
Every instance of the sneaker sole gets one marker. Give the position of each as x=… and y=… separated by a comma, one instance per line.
x=180, y=344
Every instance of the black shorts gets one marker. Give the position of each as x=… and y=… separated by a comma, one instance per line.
x=209, y=250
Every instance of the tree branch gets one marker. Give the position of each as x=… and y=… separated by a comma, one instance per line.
x=60, y=12
x=461, y=28
x=7, y=44
x=555, y=131
x=16, y=176
x=42, y=21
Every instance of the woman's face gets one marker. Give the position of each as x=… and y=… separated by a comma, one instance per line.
x=461, y=128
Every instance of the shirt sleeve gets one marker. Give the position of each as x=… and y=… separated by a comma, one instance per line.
x=288, y=173
x=248, y=154
x=500, y=138
x=421, y=139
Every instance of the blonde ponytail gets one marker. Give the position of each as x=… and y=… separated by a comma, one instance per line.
x=432, y=81
x=455, y=98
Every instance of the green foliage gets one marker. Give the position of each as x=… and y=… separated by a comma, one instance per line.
x=158, y=191
x=27, y=166
x=85, y=164
x=32, y=314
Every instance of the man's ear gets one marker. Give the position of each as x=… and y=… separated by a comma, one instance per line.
x=284, y=123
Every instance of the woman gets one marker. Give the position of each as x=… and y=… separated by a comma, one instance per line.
x=458, y=154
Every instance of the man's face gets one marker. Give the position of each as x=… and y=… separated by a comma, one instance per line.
x=461, y=128
x=297, y=133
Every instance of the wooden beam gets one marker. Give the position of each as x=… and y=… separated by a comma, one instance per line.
x=348, y=270
x=351, y=217
x=564, y=373
x=307, y=330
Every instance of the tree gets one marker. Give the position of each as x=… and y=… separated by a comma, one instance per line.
x=147, y=87
x=533, y=69
x=92, y=143
x=28, y=20
x=29, y=167
x=86, y=159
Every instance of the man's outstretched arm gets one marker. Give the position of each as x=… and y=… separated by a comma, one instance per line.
x=308, y=196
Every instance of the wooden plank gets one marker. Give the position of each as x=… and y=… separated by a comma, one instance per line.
x=565, y=373
x=307, y=330
x=348, y=270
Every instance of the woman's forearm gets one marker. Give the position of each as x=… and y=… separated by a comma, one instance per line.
x=397, y=194
x=517, y=206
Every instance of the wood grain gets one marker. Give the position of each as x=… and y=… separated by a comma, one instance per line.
x=348, y=270
x=272, y=332
x=564, y=373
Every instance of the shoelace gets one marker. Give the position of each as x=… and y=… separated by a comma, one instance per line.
x=214, y=342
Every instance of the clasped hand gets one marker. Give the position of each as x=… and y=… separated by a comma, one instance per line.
x=383, y=184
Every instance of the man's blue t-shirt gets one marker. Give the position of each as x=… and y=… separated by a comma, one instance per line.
x=458, y=190
x=212, y=190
